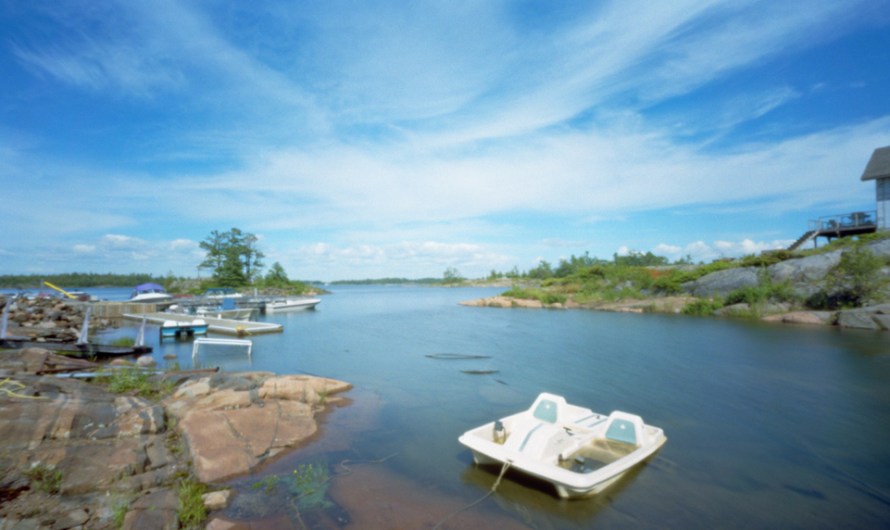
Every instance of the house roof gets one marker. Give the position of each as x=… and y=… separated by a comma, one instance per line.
x=878, y=165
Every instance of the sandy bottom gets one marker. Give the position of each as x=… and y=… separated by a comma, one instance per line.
x=370, y=497
x=375, y=498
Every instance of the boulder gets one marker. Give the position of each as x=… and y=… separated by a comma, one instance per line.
x=721, y=283
x=804, y=274
x=857, y=318
x=816, y=318
x=217, y=500
x=233, y=422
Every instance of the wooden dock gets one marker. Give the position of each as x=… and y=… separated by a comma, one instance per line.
x=238, y=328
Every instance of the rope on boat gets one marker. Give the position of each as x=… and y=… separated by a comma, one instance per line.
x=494, y=487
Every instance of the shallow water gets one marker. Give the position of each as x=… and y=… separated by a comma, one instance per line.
x=767, y=425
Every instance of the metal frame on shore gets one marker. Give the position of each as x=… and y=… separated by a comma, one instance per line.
x=218, y=325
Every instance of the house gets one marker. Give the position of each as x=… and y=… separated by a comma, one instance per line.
x=878, y=169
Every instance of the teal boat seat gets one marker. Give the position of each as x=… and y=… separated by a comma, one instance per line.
x=546, y=411
x=622, y=430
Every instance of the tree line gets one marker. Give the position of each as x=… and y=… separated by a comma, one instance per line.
x=76, y=280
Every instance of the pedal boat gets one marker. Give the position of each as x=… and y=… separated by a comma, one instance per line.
x=577, y=450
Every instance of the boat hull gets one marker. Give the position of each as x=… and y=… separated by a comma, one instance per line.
x=578, y=451
x=292, y=305
x=178, y=330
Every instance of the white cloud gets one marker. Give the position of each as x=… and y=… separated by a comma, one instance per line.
x=84, y=249
x=117, y=242
x=183, y=244
x=400, y=136
x=700, y=251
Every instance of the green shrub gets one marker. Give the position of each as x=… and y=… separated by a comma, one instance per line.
x=857, y=278
x=703, y=306
x=762, y=294
x=133, y=379
x=545, y=297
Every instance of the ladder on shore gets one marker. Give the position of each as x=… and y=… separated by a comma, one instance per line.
x=803, y=239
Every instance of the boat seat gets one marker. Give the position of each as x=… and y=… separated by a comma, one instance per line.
x=625, y=428
x=548, y=408
x=542, y=436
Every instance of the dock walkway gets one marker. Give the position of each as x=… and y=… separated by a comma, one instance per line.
x=217, y=325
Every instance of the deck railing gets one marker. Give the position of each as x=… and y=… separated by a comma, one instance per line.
x=847, y=221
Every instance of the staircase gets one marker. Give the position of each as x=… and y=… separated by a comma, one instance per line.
x=803, y=239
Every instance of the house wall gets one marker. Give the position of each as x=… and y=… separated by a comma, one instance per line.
x=883, y=204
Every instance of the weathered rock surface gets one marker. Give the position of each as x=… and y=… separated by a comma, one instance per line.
x=74, y=455
x=232, y=424
x=72, y=451
x=873, y=317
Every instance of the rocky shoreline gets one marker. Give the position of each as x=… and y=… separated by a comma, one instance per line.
x=804, y=276
x=76, y=454
x=876, y=317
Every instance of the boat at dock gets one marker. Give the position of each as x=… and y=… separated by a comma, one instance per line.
x=214, y=325
x=578, y=451
x=290, y=304
x=150, y=292
x=219, y=308
x=173, y=329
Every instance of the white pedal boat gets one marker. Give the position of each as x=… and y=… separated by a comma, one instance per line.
x=579, y=451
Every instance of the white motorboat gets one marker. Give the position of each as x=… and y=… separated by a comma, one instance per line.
x=577, y=450
x=150, y=292
x=229, y=314
x=291, y=304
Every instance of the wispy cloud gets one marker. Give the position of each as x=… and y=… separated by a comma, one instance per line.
x=370, y=133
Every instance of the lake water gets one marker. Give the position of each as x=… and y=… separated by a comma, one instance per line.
x=767, y=425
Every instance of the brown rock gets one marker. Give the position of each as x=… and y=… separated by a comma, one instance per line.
x=216, y=500
x=156, y=510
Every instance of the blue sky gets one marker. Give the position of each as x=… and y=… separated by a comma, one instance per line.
x=376, y=139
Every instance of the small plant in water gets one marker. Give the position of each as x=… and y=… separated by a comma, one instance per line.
x=267, y=484
x=309, y=484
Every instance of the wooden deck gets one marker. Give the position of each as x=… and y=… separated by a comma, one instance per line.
x=217, y=325
x=834, y=226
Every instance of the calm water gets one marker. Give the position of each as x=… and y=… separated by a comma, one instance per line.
x=767, y=425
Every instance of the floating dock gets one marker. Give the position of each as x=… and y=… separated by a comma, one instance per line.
x=217, y=325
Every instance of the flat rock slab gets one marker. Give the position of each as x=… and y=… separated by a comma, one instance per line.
x=232, y=426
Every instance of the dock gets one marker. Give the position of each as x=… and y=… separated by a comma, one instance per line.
x=217, y=325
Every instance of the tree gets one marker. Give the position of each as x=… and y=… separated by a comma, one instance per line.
x=542, y=271
x=233, y=256
x=277, y=277
x=451, y=275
